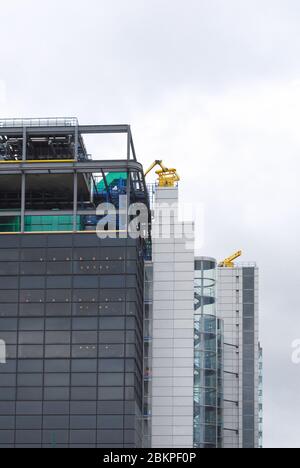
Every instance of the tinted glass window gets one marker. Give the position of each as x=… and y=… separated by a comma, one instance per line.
x=87, y=282
x=85, y=323
x=58, y=337
x=57, y=351
x=110, y=422
x=84, y=365
x=110, y=380
x=112, y=323
x=30, y=380
x=30, y=351
x=112, y=337
x=11, y=282
x=83, y=393
x=84, y=351
x=111, y=393
x=56, y=407
x=57, y=393
x=31, y=337
x=28, y=281
x=9, y=310
x=57, y=365
x=84, y=380
x=29, y=407
x=57, y=380
x=111, y=365
x=58, y=324
x=84, y=337
x=111, y=351
x=33, y=268
x=59, y=282
x=32, y=310
x=31, y=324
x=58, y=309
x=30, y=365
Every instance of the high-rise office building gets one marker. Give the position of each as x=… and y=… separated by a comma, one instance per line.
x=71, y=304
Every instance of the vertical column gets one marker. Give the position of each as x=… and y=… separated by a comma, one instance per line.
x=75, y=191
x=23, y=201
x=24, y=147
x=128, y=201
x=132, y=146
x=23, y=180
x=128, y=190
x=75, y=184
x=76, y=141
x=128, y=143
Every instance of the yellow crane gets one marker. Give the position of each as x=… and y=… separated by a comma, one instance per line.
x=228, y=262
x=166, y=177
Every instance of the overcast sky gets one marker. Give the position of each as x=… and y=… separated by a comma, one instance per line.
x=213, y=88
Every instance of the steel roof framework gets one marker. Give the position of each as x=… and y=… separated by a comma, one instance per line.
x=34, y=127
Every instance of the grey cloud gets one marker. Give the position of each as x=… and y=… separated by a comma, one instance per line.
x=206, y=85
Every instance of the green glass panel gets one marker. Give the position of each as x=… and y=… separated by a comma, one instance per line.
x=111, y=179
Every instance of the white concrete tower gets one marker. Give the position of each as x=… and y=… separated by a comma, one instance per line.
x=173, y=325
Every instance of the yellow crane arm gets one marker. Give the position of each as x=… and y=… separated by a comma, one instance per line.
x=228, y=262
x=166, y=177
x=156, y=163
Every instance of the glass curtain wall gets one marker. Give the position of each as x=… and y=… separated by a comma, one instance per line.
x=148, y=319
x=208, y=365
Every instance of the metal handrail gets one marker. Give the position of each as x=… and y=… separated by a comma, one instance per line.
x=35, y=122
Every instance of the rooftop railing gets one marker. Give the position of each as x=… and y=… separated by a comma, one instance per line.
x=45, y=122
x=246, y=264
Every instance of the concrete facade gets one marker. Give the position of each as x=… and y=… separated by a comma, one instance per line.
x=173, y=329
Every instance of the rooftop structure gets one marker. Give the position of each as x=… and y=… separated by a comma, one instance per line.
x=48, y=180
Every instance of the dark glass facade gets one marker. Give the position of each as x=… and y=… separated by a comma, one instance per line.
x=148, y=333
x=249, y=358
x=71, y=316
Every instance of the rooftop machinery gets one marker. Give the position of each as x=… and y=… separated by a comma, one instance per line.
x=166, y=177
x=228, y=262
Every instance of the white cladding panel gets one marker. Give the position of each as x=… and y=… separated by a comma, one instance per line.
x=173, y=329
